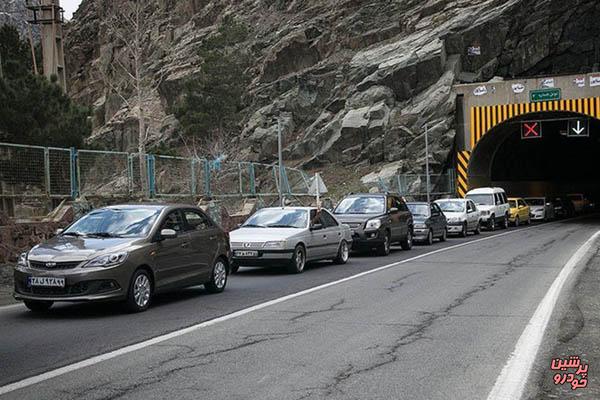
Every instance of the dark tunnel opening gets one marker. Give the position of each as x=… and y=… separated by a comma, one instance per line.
x=552, y=165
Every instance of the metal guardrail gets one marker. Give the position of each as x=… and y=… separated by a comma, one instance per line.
x=48, y=172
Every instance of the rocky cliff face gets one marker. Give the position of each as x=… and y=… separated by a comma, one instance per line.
x=353, y=81
x=13, y=12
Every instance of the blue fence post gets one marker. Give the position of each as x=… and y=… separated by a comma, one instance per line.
x=74, y=172
x=286, y=183
x=207, y=178
x=193, y=177
x=252, y=179
x=150, y=173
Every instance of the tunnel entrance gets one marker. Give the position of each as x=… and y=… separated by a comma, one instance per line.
x=552, y=165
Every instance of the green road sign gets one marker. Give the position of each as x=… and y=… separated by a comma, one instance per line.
x=535, y=96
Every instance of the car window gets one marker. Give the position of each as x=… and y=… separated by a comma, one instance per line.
x=327, y=219
x=434, y=210
x=173, y=221
x=278, y=218
x=512, y=203
x=522, y=203
x=195, y=221
x=438, y=209
x=482, y=199
x=417, y=209
x=401, y=204
x=361, y=205
x=452, y=205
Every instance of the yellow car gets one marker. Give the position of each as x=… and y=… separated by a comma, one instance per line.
x=519, y=211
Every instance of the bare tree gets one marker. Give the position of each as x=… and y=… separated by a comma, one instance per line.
x=127, y=73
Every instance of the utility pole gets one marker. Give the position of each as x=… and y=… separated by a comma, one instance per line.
x=280, y=163
x=427, y=162
x=50, y=15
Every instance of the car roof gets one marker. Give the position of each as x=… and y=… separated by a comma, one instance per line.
x=452, y=199
x=156, y=206
x=517, y=198
x=485, y=190
x=290, y=208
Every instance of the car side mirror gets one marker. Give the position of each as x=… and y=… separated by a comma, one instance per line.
x=393, y=210
x=316, y=227
x=238, y=226
x=168, y=234
x=59, y=231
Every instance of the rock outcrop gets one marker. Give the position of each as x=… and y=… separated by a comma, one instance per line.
x=352, y=82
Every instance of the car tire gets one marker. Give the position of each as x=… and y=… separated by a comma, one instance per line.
x=529, y=220
x=218, y=277
x=492, y=223
x=386, y=248
x=38, y=306
x=517, y=221
x=139, y=294
x=477, y=230
x=298, y=261
x=444, y=236
x=407, y=242
x=429, y=240
x=505, y=222
x=463, y=232
x=343, y=253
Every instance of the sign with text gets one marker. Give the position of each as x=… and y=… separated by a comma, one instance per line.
x=578, y=128
x=531, y=130
x=551, y=94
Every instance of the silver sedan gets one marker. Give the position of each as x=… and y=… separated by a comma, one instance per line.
x=290, y=237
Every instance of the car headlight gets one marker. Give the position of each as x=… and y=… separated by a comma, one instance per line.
x=373, y=224
x=279, y=244
x=420, y=226
x=23, y=260
x=108, y=260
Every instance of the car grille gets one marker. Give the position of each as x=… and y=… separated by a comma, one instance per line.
x=53, y=265
x=247, y=245
x=354, y=225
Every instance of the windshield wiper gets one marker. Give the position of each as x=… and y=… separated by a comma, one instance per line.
x=104, y=234
x=253, y=226
x=72, y=234
x=280, y=226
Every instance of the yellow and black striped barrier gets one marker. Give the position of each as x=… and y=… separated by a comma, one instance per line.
x=484, y=118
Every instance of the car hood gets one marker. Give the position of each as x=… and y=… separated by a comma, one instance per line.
x=420, y=220
x=484, y=207
x=454, y=214
x=262, y=234
x=536, y=208
x=70, y=248
x=356, y=218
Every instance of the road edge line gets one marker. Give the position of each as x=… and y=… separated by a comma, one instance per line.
x=510, y=384
x=33, y=380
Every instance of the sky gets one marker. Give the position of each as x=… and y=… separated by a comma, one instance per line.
x=70, y=6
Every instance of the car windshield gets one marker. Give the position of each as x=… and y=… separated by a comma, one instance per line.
x=482, y=199
x=361, y=205
x=512, y=203
x=114, y=222
x=278, y=218
x=535, y=202
x=420, y=210
x=452, y=206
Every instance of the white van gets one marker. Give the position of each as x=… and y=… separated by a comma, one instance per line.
x=493, y=204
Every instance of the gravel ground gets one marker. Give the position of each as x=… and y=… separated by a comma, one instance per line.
x=6, y=284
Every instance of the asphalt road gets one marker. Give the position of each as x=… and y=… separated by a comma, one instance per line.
x=440, y=327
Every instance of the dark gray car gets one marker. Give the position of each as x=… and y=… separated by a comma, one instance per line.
x=126, y=253
x=429, y=222
x=377, y=220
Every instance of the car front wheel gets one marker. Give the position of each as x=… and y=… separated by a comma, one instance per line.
x=386, y=247
x=298, y=260
x=444, y=236
x=218, y=278
x=140, y=291
x=429, y=240
x=407, y=243
x=38, y=305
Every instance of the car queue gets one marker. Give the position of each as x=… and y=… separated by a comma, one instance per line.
x=129, y=253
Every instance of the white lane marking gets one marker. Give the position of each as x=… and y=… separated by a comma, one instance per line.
x=9, y=306
x=510, y=385
x=159, y=339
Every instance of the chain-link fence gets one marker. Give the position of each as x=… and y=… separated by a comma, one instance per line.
x=415, y=186
x=48, y=173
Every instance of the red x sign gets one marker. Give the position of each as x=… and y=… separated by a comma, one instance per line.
x=531, y=130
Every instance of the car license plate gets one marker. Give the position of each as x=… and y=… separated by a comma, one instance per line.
x=45, y=281
x=246, y=253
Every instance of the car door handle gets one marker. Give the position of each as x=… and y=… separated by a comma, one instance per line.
x=185, y=245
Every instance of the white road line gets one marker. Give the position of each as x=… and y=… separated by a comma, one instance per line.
x=159, y=339
x=9, y=306
x=510, y=385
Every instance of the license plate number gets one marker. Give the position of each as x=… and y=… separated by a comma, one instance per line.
x=45, y=281
x=246, y=253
